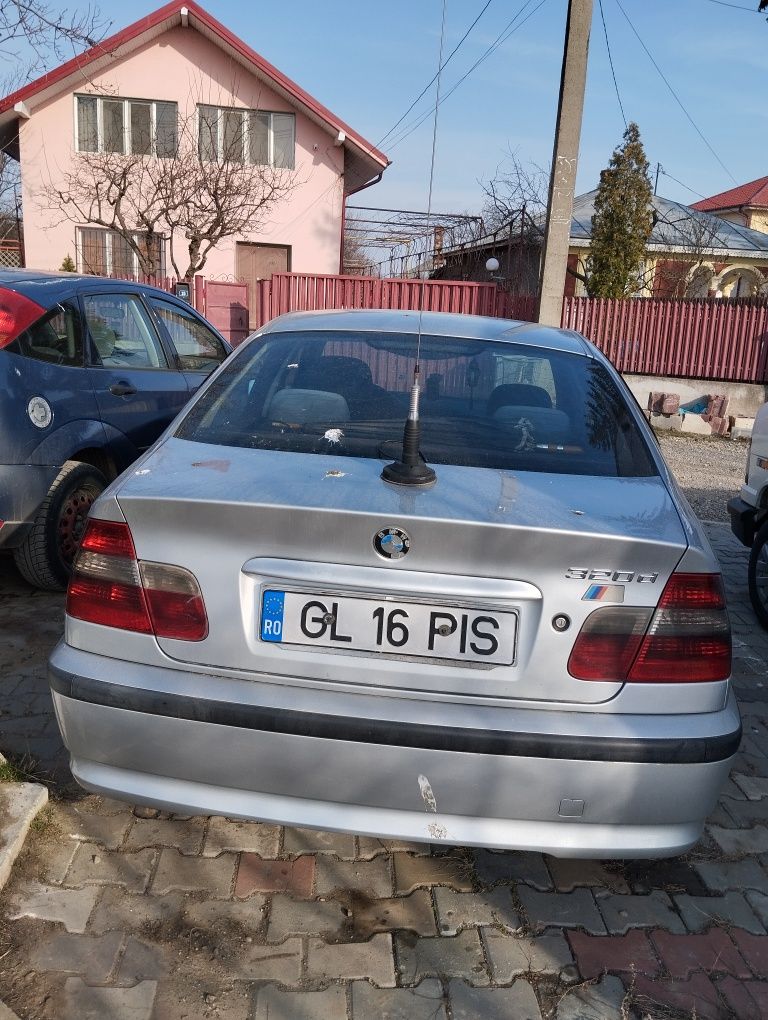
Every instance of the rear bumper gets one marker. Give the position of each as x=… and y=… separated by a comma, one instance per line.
x=610, y=794
x=23, y=487
x=743, y=520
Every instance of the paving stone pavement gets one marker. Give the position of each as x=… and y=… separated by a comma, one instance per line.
x=116, y=915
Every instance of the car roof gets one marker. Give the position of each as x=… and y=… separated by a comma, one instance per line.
x=388, y=320
x=48, y=288
x=27, y=281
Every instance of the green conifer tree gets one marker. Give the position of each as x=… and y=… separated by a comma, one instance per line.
x=68, y=265
x=622, y=222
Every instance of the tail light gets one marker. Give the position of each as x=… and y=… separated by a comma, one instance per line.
x=111, y=587
x=17, y=313
x=686, y=639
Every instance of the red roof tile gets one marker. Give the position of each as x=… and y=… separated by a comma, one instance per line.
x=753, y=194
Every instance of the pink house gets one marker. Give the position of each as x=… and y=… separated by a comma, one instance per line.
x=129, y=94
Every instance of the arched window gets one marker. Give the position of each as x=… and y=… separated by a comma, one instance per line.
x=738, y=281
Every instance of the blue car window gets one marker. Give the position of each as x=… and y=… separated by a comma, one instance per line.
x=122, y=333
x=56, y=338
x=198, y=348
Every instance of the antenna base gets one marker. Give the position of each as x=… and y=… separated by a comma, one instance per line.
x=409, y=474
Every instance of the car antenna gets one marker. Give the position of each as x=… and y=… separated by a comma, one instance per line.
x=412, y=469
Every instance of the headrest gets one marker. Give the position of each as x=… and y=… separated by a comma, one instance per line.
x=301, y=407
x=519, y=395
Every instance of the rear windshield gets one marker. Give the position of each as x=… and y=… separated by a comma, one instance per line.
x=483, y=403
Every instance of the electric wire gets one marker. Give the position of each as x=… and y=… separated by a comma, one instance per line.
x=692, y=190
x=610, y=61
x=501, y=38
x=736, y=7
x=505, y=34
x=675, y=96
x=432, y=80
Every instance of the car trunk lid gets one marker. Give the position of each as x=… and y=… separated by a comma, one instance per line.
x=536, y=552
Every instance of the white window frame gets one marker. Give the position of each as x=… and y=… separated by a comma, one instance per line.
x=108, y=251
x=127, y=136
x=245, y=113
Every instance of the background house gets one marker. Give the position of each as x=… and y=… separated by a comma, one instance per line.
x=746, y=205
x=689, y=254
x=130, y=93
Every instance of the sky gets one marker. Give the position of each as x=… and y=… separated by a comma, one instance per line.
x=368, y=62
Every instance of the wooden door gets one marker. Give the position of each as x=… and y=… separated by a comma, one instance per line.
x=254, y=262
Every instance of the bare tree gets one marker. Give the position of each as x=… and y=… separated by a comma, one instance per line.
x=207, y=200
x=695, y=239
x=112, y=190
x=184, y=197
x=31, y=33
x=355, y=260
x=514, y=186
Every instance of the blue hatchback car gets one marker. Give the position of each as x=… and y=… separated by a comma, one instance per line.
x=91, y=372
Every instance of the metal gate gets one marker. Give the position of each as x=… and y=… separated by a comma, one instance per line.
x=225, y=305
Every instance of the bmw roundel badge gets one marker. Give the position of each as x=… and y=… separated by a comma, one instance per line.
x=391, y=543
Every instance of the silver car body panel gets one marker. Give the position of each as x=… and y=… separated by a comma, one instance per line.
x=254, y=506
x=203, y=743
x=519, y=755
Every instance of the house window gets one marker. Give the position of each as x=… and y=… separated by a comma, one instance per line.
x=107, y=253
x=139, y=127
x=247, y=136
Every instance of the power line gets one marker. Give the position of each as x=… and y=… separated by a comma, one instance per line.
x=675, y=96
x=610, y=61
x=505, y=34
x=736, y=7
x=434, y=79
x=692, y=190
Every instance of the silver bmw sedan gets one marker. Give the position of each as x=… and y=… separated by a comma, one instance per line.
x=410, y=575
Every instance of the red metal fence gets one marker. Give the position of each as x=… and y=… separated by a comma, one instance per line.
x=225, y=305
x=292, y=292
x=711, y=338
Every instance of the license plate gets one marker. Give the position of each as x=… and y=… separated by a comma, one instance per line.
x=405, y=628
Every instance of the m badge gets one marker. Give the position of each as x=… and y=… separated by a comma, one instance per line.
x=604, y=593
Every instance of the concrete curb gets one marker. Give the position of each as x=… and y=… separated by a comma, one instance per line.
x=19, y=803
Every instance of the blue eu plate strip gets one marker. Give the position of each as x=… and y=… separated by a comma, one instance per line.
x=272, y=615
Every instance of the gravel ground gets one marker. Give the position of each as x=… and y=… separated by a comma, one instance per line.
x=709, y=470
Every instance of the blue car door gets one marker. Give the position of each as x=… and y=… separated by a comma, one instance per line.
x=138, y=390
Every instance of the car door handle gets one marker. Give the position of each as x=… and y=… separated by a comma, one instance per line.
x=122, y=389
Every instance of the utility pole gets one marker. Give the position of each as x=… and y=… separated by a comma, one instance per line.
x=565, y=159
x=659, y=167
